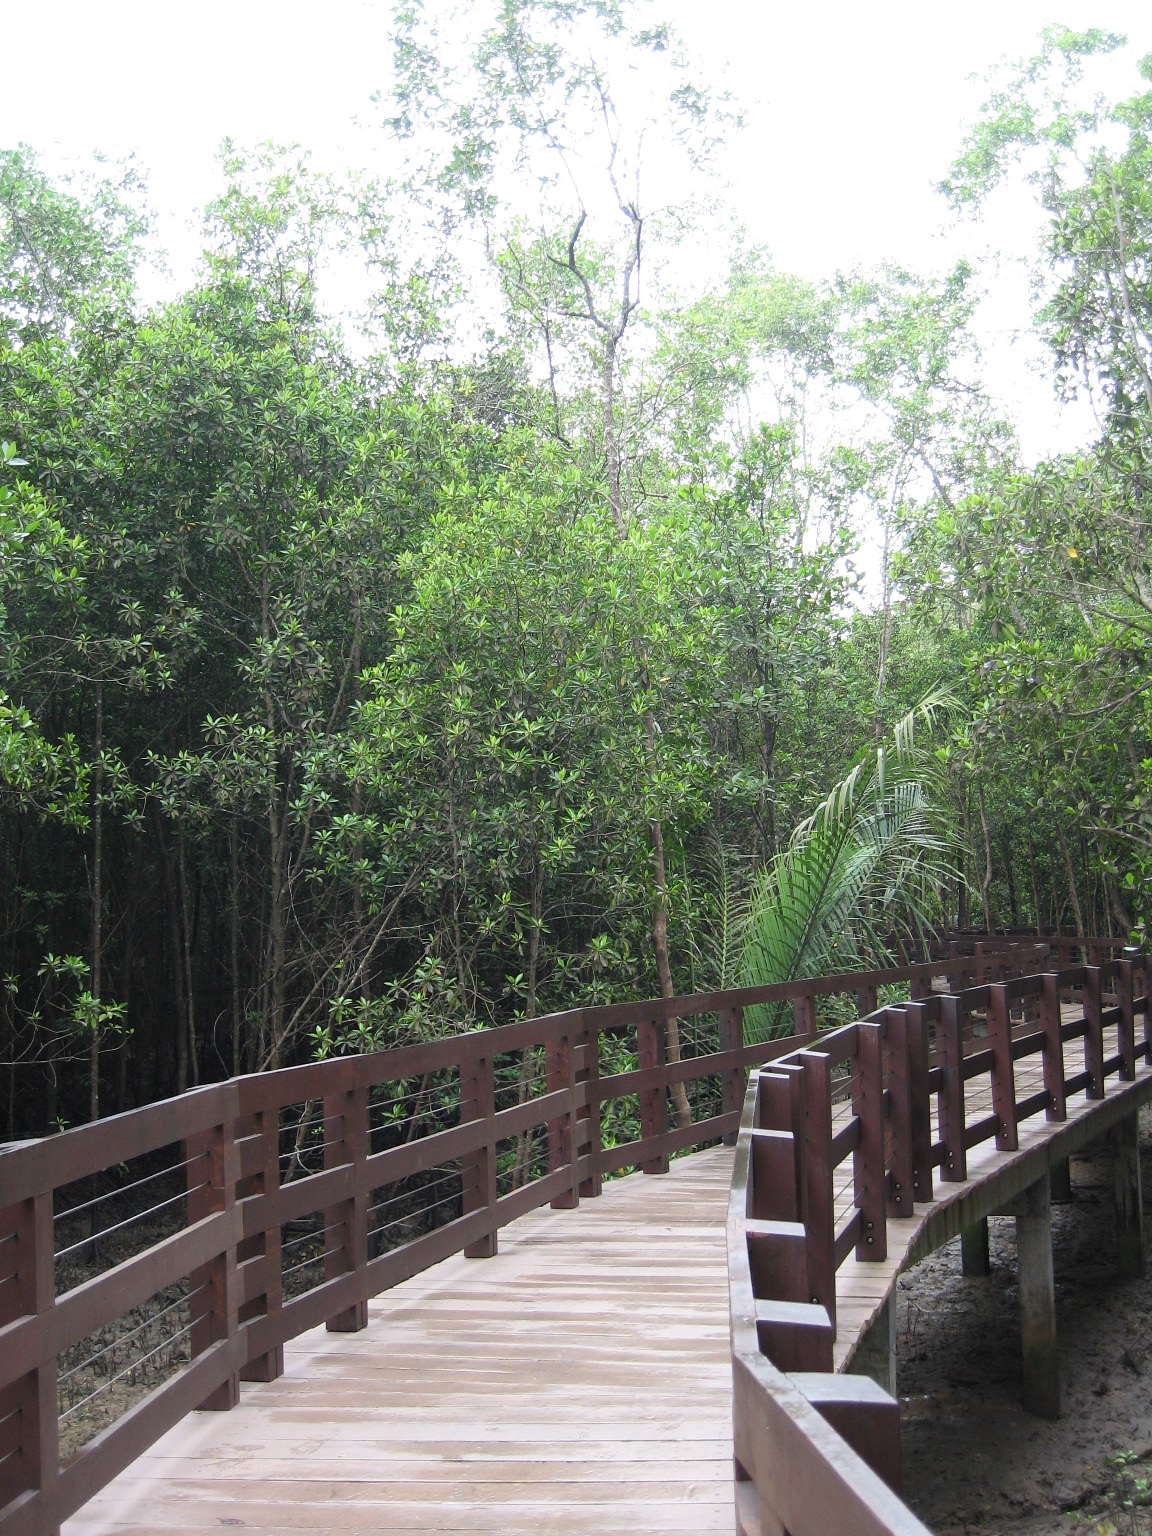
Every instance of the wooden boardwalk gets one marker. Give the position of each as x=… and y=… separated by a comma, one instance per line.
x=863, y=1287
x=578, y=1382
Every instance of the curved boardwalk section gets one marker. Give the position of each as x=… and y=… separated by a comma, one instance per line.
x=578, y=1382
x=580, y=1379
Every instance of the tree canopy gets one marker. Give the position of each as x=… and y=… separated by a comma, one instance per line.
x=493, y=645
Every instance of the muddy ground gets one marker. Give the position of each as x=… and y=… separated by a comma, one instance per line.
x=974, y=1460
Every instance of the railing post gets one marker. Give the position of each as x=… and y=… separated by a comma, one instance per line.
x=869, y=1182
x=1125, y=1139
x=213, y=1288
x=900, y=1194
x=1126, y=1031
x=562, y=1131
x=650, y=1056
x=919, y=1100
x=1138, y=974
x=261, y=1251
x=819, y=1213
x=730, y=1024
x=866, y=999
x=1003, y=1069
x=1140, y=998
x=346, y=1241
x=804, y=1015
x=979, y=966
x=1093, y=1033
x=33, y=1463
x=478, y=1169
x=950, y=1049
x=588, y=1118
x=1053, y=1047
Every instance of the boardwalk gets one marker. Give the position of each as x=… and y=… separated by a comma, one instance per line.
x=579, y=1382
x=862, y=1288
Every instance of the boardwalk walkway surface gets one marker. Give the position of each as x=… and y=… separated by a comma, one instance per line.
x=578, y=1382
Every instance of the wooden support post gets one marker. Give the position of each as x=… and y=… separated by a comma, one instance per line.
x=1041, y=1366
x=804, y=1016
x=29, y=1404
x=650, y=1053
x=561, y=1070
x=1053, y=1046
x=975, y=1261
x=261, y=1251
x=920, y=989
x=1139, y=976
x=1126, y=1030
x=819, y=1214
x=866, y=999
x=478, y=1169
x=900, y=1195
x=213, y=1287
x=919, y=1097
x=1130, y=1255
x=868, y=1174
x=588, y=1118
x=346, y=1243
x=950, y=1049
x=730, y=1023
x=861, y=1413
x=875, y=1355
x=1060, y=1182
x=1003, y=1070
x=1094, y=1034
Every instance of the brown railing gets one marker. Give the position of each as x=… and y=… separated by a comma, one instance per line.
x=152, y=1261
x=839, y=1136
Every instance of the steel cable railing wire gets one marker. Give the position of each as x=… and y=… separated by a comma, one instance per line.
x=124, y=1189
x=516, y=1076
x=121, y=1339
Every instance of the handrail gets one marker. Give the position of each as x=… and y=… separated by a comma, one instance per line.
x=785, y=1247
x=279, y=1201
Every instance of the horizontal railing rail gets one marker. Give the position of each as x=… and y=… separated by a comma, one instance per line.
x=861, y=1099
x=152, y=1261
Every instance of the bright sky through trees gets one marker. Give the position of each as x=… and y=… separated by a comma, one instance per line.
x=853, y=114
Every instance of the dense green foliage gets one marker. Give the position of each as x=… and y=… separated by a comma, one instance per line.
x=488, y=655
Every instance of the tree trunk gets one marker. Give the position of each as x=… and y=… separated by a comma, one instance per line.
x=96, y=978
x=186, y=958
x=172, y=929
x=1077, y=912
x=986, y=878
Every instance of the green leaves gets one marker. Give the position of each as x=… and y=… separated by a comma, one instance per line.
x=875, y=858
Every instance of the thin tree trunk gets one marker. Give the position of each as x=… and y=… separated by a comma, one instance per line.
x=172, y=928
x=1081, y=931
x=1010, y=877
x=186, y=956
x=986, y=879
x=96, y=978
x=680, y=1104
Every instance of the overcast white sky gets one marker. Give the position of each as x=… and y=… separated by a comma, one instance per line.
x=855, y=109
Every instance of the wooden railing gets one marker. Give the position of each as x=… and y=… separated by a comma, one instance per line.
x=152, y=1261
x=891, y=1096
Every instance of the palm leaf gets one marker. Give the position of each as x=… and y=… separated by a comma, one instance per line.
x=876, y=854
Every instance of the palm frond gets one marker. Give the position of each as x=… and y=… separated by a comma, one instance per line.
x=875, y=855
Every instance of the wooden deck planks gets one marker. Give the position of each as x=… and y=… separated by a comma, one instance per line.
x=862, y=1287
x=579, y=1382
